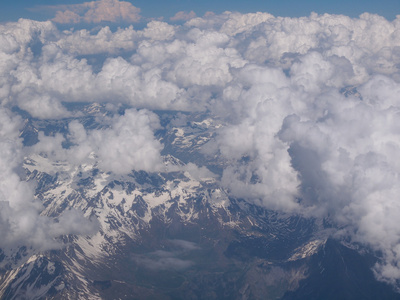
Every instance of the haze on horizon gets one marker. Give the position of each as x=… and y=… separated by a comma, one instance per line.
x=156, y=9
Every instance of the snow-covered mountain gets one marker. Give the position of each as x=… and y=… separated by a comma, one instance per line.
x=174, y=234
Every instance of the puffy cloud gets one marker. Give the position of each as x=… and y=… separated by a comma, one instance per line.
x=127, y=144
x=238, y=23
x=83, y=42
x=183, y=16
x=67, y=17
x=308, y=106
x=42, y=106
x=207, y=62
x=20, y=221
x=255, y=105
x=346, y=162
x=19, y=36
x=129, y=83
x=157, y=30
x=198, y=173
x=96, y=12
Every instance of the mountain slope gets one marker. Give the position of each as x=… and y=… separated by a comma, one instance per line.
x=176, y=234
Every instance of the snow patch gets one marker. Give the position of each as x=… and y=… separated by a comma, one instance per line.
x=307, y=250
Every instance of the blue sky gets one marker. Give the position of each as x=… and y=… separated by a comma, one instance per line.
x=13, y=10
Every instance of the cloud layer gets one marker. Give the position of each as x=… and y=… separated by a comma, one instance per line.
x=310, y=106
x=96, y=12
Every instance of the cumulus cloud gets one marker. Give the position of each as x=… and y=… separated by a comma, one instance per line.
x=183, y=16
x=346, y=162
x=308, y=106
x=20, y=221
x=127, y=144
x=96, y=12
x=157, y=30
x=84, y=42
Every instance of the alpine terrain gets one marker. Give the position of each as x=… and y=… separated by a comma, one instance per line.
x=224, y=156
x=175, y=234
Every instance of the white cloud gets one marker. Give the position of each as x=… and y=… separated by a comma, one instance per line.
x=127, y=144
x=41, y=106
x=346, y=161
x=198, y=173
x=309, y=105
x=183, y=16
x=67, y=17
x=20, y=221
x=96, y=12
x=238, y=23
x=205, y=62
x=157, y=30
x=83, y=42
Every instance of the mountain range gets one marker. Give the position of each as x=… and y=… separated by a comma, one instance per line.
x=175, y=234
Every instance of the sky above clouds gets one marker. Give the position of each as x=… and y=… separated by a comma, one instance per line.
x=154, y=9
x=310, y=105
